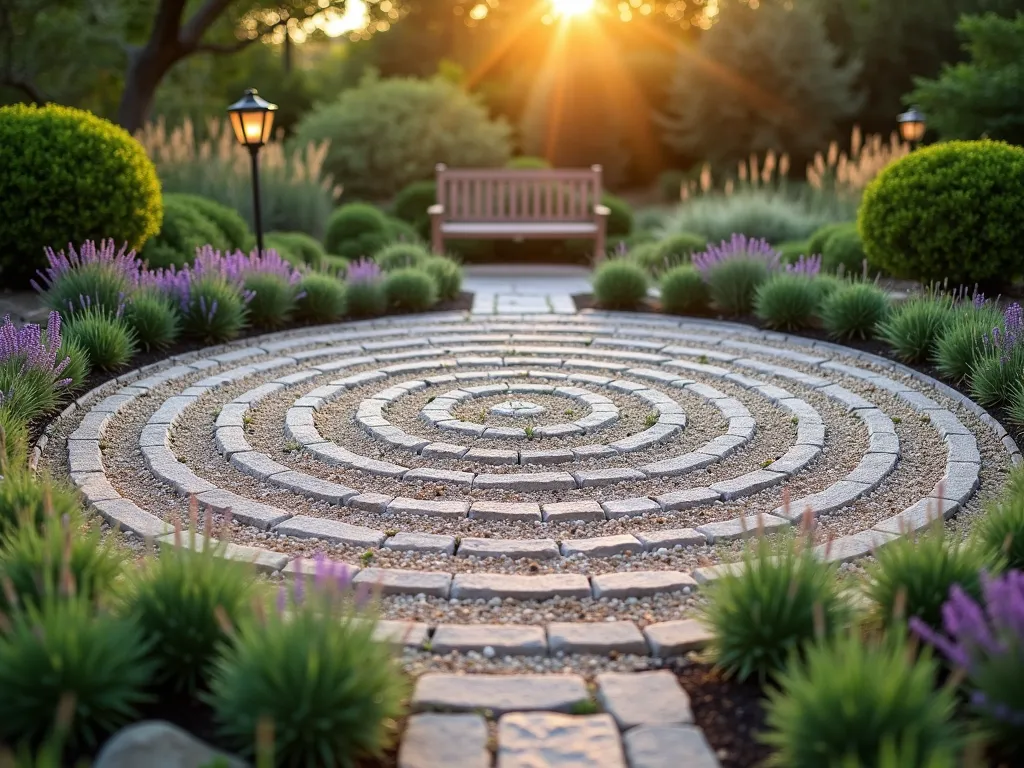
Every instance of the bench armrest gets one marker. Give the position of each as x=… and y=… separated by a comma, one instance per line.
x=602, y=210
x=436, y=210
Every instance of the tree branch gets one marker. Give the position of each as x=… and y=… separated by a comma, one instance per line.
x=26, y=87
x=194, y=29
x=167, y=22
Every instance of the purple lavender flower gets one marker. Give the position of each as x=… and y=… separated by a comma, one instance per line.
x=30, y=348
x=806, y=265
x=739, y=247
x=363, y=271
x=107, y=256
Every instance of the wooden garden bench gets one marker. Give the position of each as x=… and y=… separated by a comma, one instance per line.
x=503, y=204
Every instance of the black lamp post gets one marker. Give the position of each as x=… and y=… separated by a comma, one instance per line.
x=912, y=124
x=253, y=118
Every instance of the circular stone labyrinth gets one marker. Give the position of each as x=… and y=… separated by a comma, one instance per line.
x=531, y=486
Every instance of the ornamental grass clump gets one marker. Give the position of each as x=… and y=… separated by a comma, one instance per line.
x=409, y=290
x=273, y=300
x=154, y=319
x=311, y=675
x=787, y=301
x=619, y=284
x=27, y=501
x=32, y=370
x=105, y=336
x=984, y=637
x=683, y=291
x=1000, y=367
x=913, y=329
x=779, y=601
x=321, y=299
x=99, y=277
x=854, y=311
x=400, y=256
x=853, y=700
x=1000, y=531
x=446, y=274
x=660, y=257
x=734, y=270
x=912, y=575
x=962, y=345
x=363, y=290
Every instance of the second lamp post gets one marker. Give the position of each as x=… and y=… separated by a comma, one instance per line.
x=253, y=119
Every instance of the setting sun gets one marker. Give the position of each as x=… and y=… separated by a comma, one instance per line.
x=566, y=8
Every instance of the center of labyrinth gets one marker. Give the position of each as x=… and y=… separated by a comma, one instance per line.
x=535, y=487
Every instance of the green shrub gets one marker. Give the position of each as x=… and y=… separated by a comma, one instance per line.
x=1000, y=531
x=28, y=392
x=790, y=252
x=321, y=299
x=385, y=134
x=297, y=247
x=106, y=338
x=962, y=345
x=78, y=362
x=912, y=576
x=95, y=284
x=336, y=265
x=995, y=376
x=215, y=311
x=620, y=218
x=826, y=285
x=13, y=444
x=787, y=301
x=400, y=256
x=843, y=251
x=184, y=601
x=853, y=700
x=816, y=242
x=673, y=251
x=733, y=284
x=56, y=558
x=327, y=686
x=28, y=501
x=526, y=163
x=621, y=246
x=409, y=290
x=950, y=211
x=412, y=203
x=273, y=300
x=854, y=311
x=619, y=284
x=154, y=320
x=446, y=274
x=184, y=229
x=913, y=328
x=366, y=299
x=67, y=176
x=65, y=653
x=777, y=603
x=234, y=231
x=683, y=291
x=401, y=232
x=356, y=230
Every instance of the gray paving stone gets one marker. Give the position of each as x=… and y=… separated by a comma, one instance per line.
x=408, y=634
x=314, y=488
x=261, y=392
x=531, y=740
x=674, y=638
x=393, y=581
x=541, y=587
x=514, y=549
x=597, y=637
x=505, y=433
x=252, y=513
x=795, y=459
x=546, y=457
x=443, y=451
x=232, y=415
x=848, y=548
x=963, y=448
x=844, y=396
x=334, y=531
x=558, y=430
x=370, y=502
x=262, y=559
x=504, y=639
x=589, y=423
x=231, y=440
x=712, y=573
x=688, y=498
x=165, y=467
x=836, y=496
x=593, y=478
x=959, y=482
x=84, y=456
x=403, y=505
x=498, y=693
x=810, y=433
x=462, y=427
x=741, y=527
x=171, y=409
x=585, y=452
x=502, y=510
x=534, y=481
x=126, y=516
x=257, y=465
x=678, y=465
x=644, y=698
x=154, y=435
x=634, y=507
x=601, y=546
x=680, y=537
x=447, y=476
x=492, y=456
x=444, y=741
x=572, y=510
x=668, y=746
x=303, y=567
x=94, y=487
x=112, y=403
x=918, y=516
x=747, y=484
x=722, y=446
x=873, y=469
x=421, y=542
x=641, y=583
x=884, y=442
x=947, y=424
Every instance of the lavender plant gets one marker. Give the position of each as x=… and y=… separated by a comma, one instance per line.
x=364, y=290
x=734, y=270
x=959, y=349
x=104, y=335
x=91, y=276
x=31, y=371
x=1001, y=364
x=788, y=300
x=985, y=639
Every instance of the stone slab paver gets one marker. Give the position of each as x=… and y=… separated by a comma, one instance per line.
x=572, y=510
x=634, y=507
x=668, y=746
x=680, y=537
x=498, y=693
x=334, y=531
x=540, y=549
x=644, y=698
x=501, y=639
x=751, y=525
x=421, y=542
x=262, y=559
x=686, y=499
x=535, y=481
x=410, y=634
x=674, y=638
x=428, y=508
x=641, y=583
x=531, y=740
x=244, y=510
x=433, y=740
x=392, y=581
x=602, y=546
x=598, y=637
x=485, y=586
x=500, y=510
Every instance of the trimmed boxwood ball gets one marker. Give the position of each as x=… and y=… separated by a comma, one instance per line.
x=843, y=251
x=234, y=229
x=683, y=291
x=402, y=232
x=410, y=290
x=67, y=176
x=787, y=301
x=154, y=319
x=619, y=284
x=854, y=311
x=447, y=275
x=400, y=255
x=951, y=211
x=321, y=299
x=411, y=205
x=297, y=248
x=356, y=230
x=273, y=300
x=106, y=338
x=184, y=229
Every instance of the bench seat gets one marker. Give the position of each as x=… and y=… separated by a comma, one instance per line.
x=519, y=229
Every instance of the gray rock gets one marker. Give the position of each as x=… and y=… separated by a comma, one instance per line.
x=421, y=542
x=674, y=638
x=682, y=537
x=641, y=583
x=502, y=510
x=484, y=586
x=644, y=698
x=530, y=740
x=403, y=505
x=668, y=746
x=334, y=531
x=505, y=640
x=158, y=744
x=444, y=741
x=598, y=637
x=498, y=693
x=630, y=507
x=572, y=510
x=393, y=581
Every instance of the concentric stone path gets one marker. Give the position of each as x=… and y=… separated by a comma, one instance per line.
x=552, y=487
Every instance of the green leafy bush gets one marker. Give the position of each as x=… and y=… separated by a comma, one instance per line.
x=321, y=299
x=401, y=232
x=659, y=257
x=66, y=653
x=93, y=284
x=962, y=345
x=154, y=320
x=329, y=689
x=447, y=275
x=28, y=501
x=67, y=176
x=950, y=211
x=214, y=312
x=400, y=256
x=913, y=328
x=620, y=218
x=777, y=603
x=526, y=163
x=409, y=290
x=1000, y=531
x=356, y=230
x=412, y=202
x=683, y=291
x=106, y=338
x=787, y=301
x=843, y=251
x=365, y=299
x=273, y=300
x=385, y=134
x=619, y=284
x=912, y=576
x=816, y=242
x=853, y=700
x=790, y=252
x=184, y=229
x=234, y=231
x=854, y=311
x=733, y=284
x=995, y=376
x=297, y=248
x=184, y=602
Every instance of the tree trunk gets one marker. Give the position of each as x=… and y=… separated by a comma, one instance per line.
x=146, y=68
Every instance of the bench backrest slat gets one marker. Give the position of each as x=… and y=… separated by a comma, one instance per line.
x=484, y=194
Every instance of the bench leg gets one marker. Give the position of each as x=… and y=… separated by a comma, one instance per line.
x=600, y=252
x=437, y=237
